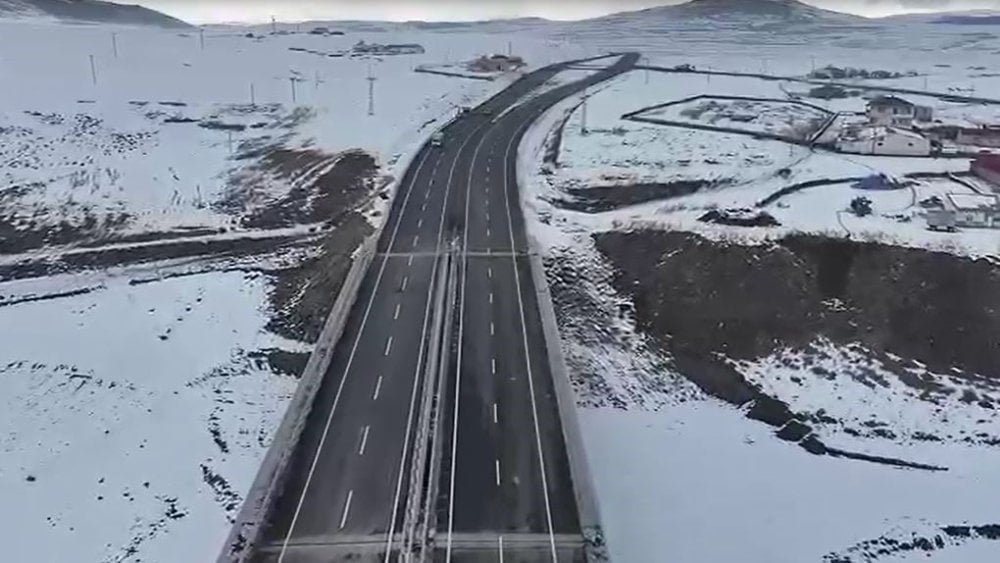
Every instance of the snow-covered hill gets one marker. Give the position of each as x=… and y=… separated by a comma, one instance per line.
x=725, y=13
x=86, y=11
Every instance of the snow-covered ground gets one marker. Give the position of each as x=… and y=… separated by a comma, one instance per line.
x=682, y=476
x=740, y=171
x=126, y=392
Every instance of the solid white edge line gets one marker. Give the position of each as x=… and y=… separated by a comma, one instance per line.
x=347, y=509
x=500, y=544
x=527, y=350
x=350, y=361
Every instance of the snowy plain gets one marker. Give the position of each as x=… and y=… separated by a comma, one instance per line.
x=685, y=477
x=147, y=398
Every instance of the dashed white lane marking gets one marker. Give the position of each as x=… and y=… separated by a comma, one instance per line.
x=364, y=441
x=388, y=346
x=410, y=261
x=395, y=316
x=420, y=222
x=492, y=329
x=427, y=194
x=378, y=388
x=493, y=366
x=347, y=509
x=500, y=544
x=495, y=413
x=491, y=297
x=405, y=280
x=498, y=476
x=487, y=214
x=489, y=271
x=488, y=234
x=424, y=207
x=416, y=239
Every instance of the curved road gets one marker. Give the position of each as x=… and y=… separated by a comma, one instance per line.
x=503, y=465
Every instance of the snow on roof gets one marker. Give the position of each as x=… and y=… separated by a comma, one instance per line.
x=974, y=201
x=881, y=132
x=889, y=101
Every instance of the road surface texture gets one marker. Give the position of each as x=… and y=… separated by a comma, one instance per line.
x=447, y=310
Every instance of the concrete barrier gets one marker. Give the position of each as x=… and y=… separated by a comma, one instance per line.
x=269, y=482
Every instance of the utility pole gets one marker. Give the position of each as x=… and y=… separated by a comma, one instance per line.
x=319, y=80
x=201, y=38
x=583, y=116
x=114, y=43
x=814, y=64
x=371, y=91
x=253, y=96
x=510, y=48
x=93, y=70
x=274, y=26
x=294, y=98
x=925, y=82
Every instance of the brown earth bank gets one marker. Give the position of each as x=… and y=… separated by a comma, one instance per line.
x=706, y=303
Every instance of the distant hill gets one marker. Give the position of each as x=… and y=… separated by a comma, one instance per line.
x=973, y=17
x=87, y=11
x=727, y=13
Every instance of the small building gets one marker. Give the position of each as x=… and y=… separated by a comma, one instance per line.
x=891, y=111
x=320, y=30
x=497, y=63
x=987, y=167
x=404, y=49
x=974, y=211
x=985, y=136
x=887, y=141
x=923, y=113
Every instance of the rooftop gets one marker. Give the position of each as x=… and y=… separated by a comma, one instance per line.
x=973, y=202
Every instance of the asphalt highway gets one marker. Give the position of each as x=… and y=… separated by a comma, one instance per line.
x=504, y=469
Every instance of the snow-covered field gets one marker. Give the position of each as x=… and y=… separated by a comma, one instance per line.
x=683, y=476
x=144, y=387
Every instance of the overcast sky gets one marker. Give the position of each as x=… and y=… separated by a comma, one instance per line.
x=210, y=11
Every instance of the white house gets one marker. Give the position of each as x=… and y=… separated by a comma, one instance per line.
x=891, y=111
x=966, y=210
x=888, y=141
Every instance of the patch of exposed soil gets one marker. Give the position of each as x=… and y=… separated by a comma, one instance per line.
x=303, y=295
x=99, y=259
x=608, y=198
x=705, y=302
x=890, y=547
